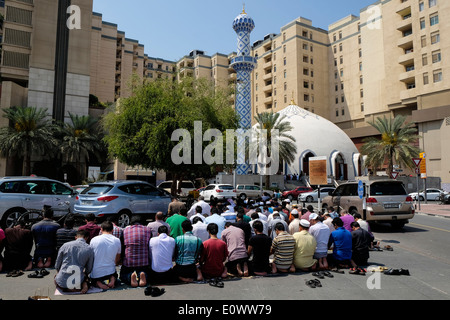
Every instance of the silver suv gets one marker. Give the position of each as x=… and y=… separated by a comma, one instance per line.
x=386, y=201
x=122, y=198
x=19, y=194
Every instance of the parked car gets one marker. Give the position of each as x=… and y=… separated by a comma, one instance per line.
x=293, y=194
x=245, y=191
x=313, y=196
x=19, y=194
x=185, y=186
x=122, y=198
x=447, y=199
x=432, y=194
x=218, y=192
x=386, y=201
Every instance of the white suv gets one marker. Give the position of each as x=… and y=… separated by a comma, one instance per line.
x=218, y=192
x=249, y=191
x=19, y=194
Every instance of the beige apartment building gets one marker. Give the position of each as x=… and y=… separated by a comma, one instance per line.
x=392, y=59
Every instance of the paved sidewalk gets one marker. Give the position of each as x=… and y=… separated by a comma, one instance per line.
x=434, y=209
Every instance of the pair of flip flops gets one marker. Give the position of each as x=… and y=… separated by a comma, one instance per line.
x=388, y=248
x=322, y=274
x=359, y=271
x=38, y=274
x=154, y=291
x=216, y=282
x=15, y=273
x=314, y=283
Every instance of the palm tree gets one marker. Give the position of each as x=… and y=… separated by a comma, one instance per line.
x=286, y=143
x=30, y=132
x=397, y=144
x=80, y=138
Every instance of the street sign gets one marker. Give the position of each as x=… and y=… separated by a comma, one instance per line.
x=417, y=161
x=394, y=175
x=360, y=189
x=423, y=166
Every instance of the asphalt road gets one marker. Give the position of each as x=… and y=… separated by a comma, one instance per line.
x=423, y=247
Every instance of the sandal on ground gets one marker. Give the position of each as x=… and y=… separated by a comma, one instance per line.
x=317, y=283
x=357, y=271
x=44, y=272
x=17, y=273
x=327, y=274
x=310, y=283
x=35, y=275
x=318, y=275
x=336, y=270
x=216, y=282
x=404, y=272
x=388, y=248
x=154, y=291
x=393, y=272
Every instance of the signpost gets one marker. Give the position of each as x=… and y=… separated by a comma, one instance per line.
x=361, y=189
x=417, y=162
x=318, y=174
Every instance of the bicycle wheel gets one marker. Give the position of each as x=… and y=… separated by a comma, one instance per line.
x=30, y=217
x=440, y=199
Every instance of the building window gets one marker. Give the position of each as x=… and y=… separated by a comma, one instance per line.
x=435, y=37
x=421, y=6
x=306, y=97
x=337, y=113
x=434, y=19
x=436, y=56
x=425, y=79
x=423, y=41
x=437, y=76
x=362, y=107
x=422, y=23
x=343, y=112
x=432, y=3
x=424, y=59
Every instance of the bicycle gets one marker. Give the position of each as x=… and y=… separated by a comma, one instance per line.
x=441, y=199
x=33, y=216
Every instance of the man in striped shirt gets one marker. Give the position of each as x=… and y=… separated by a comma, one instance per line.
x=283, y=246
x=136, y=262
x=187, y=254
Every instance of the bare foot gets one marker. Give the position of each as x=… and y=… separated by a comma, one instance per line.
x=142, y=280
x=101, y=285
x=134, y=282
x=84, y=287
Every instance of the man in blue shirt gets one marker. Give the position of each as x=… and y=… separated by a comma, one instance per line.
x=341, y=241
x=44, y=234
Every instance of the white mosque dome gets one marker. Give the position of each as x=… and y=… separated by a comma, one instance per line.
x=318, y=137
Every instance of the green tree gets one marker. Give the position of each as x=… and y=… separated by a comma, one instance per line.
x=270, y=121
x=31, y=132
x=139, y=129
x=397, y=144
x=79, y=138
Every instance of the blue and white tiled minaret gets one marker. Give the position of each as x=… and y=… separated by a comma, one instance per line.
x=244, y=65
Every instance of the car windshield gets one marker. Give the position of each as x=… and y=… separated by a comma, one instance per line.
x=225, y=187
x=97, y=189
x=387, y=189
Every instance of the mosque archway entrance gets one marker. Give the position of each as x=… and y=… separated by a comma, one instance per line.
x=341, y=169
x=305, y=164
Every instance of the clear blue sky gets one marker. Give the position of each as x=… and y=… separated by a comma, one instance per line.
x=170, y=29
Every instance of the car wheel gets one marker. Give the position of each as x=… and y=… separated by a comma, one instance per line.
x=123, y=218
x=243, y=196
x=309, y=199
x=422, y=198
x=290, y=197
x=10, y=217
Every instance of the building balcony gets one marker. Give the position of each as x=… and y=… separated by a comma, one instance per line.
x=404, y=8
x=268, y=88
x=404, y=24
x=268, y=65
x=408, y=95
x=406, y=59
x=267, y=76
x=268, y=100
x=406, y=42
x=408, y=76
